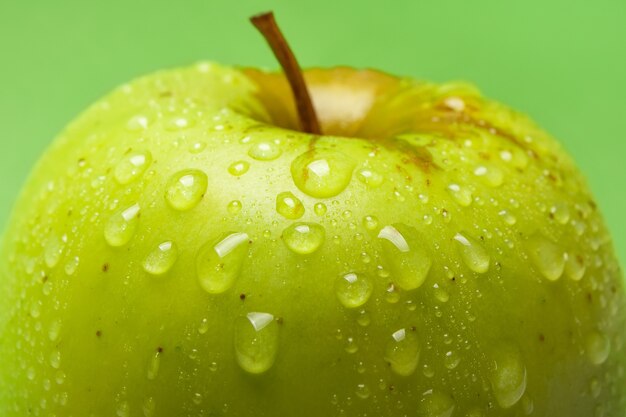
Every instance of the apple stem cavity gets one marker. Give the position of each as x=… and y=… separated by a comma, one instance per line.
x=266, y=24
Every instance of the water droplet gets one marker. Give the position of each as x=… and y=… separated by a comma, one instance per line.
x=121, y=227
x=132, y=166
x=351, y=345
x=149, y=407
x=440, y=294
x=153, y=366
x=507, y=375
x=370, y=177
x=304, y=238
x=289, y=206
x=473, y=254
x=595, y=388
x=597, y=347
x=322, y=174
x=256, y=342
x=197, y=147
x=204, y=326
x=560, y=212
x=435, y=403
x=547, y=257
x=491, y=175
x=461, y=195
x=161, y=259
x=234, y=207
x=55, y=359
x=362, y=391
x=527, y=405
x=403, y=351
x=451, y=360
x=179, y=123
x=197, y=398
x=53, y=251
x=30, y=374
x=54, y=330
x=353, y=290
x=370, y=222
x=123, y=409
x=186, y=188
x=138, y=122
x=264, y=151
x=219, y=263
x=408, y=261
x=71, y=265
x=238, y=168
x=363, y=318
x=508, y=217
x=392, y=295
x=320, y=209
x=575, y=266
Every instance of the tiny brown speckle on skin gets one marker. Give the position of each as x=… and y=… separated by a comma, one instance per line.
x=541, y=337
x=105, y=267
x=98, y=333
x=242, y=296
x=160, y=349
x=279, y=320
x=44, y=278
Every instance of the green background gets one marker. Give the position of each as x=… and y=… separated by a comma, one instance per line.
x=561, y=61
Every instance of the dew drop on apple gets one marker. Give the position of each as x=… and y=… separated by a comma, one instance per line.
x=507, y=217
x=370, y=222
x=219, y=263
x=137, y=123
x=55, y=359
x=362, y=391
x=451, y=359
x=131, y=167
x=71, y=265
x=560, y=212
x=353, y=289
x=402, y=352
x=407, y=260
x=392, y=295
x=289, y=206
x=364, y=319
x=435, y=403
x=575, y=267
x=473, y=253
x=320, y=209
x=490, y=175
x=121, y=226
x=54, y=330
x=256, y=342
x=185, y=189
x=370, y=177
x=176, y=123
x=440, y=294
x=54, y=250
x=507, y=375
x=597, y=347
x=234, y=207
x=304, y=238
x=154, y=365
x=238, y=168
x=322, y=174
x=546, y=256
x=161, y=259
x=149, y=407
x=351, y=345
x=264, y=151
x=461, y=195
x=123, y=409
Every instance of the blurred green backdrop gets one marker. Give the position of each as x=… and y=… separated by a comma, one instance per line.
x=561, y=61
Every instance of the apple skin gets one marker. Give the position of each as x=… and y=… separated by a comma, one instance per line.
x=446, y=260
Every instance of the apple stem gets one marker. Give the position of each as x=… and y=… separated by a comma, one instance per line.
x=266, y=24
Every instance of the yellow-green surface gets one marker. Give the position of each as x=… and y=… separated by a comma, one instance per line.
x=560, y=61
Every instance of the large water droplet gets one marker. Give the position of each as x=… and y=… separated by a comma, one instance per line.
x=575, y=267
x=121, y=227
x=435, y=403
x=304, y=238
x=238, y=168
x=403, y=351
x=264, y=151
x=461, y=195
x=186, y=188
x=473, y=254
x=547, y=257
x=256, y=342
x=322, y=174
x=161, y=259
x=403, y=250
x=289, y=206
x=132, y=166
x=597, y=347
x=507, y=375
x=219, y=263
x=353, y=290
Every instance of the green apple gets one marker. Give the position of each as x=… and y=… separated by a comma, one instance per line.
x=183, y=249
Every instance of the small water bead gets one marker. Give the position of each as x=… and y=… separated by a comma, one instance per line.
x=370, y=177
x=351, y=345
x=219, y=263
x=304, y=238
x=392, y=295
x=123, y=409
x=234, y=207
x=197, y=147
x=408, y=261
x=362, y=391
x=473, y=253
x=403, y=351
x=30, y=374
x=491, y=175
x=55, y=359
x=137, y=123
x=370, y=222
x=176, y=123
x=461, y=195
x=149, y=407
x=353, y=290
x=71, y=265
x=507, y=375
x=256, y=342
x=560, y=212
x=121, y=227
x=435, y=403
x=597, y=347
x=264, y=151
x=238, y=168
x=363, y=319
x=53, y=250
x=595, y=388
x=440, y=294
x=527, y=405
x=451, y=360
x=508, y=217
x=185, y=189
x=320, y=209
x=54, y=330
x=575, y=267
x=204, y=326
x=289, y=206
x=197, y=398
x=547, y=257
x=161, y=259
x=132, y=166
x=322, y=173
x=154, y=365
